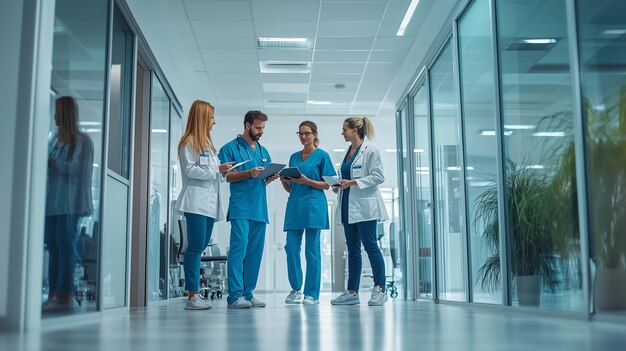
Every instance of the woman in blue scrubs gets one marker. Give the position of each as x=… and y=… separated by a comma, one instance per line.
x=307, y=212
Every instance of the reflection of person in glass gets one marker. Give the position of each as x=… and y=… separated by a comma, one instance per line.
x=68, y=197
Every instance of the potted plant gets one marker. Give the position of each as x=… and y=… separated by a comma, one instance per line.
x=531, y=249
x=606, y=188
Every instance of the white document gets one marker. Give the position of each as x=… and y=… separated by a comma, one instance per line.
x=235, y=166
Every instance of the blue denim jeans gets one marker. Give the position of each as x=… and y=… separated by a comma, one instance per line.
x=355, y=234
x=199, y=229
x=59, y=236
x=313, y=261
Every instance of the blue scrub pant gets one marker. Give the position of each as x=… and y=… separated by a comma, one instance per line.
x=199, y=229
x=59, y=236
x=247, y=239
x=355, y=234
x=313, y=261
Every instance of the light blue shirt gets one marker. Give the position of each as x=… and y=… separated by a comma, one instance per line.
x=69, y=177
x=248, y=198
x=307, y=206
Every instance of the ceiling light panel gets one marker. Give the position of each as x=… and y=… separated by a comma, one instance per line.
x=407, y=17
x=284, y=55
x=284, y=43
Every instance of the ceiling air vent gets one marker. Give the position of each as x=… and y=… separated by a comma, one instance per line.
x=285, y=67
x=284, y=43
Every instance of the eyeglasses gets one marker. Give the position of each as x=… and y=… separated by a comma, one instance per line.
x=304, y=135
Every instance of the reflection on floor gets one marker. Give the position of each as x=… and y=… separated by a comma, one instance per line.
x=399, y=325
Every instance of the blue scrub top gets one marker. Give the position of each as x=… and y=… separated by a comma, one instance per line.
x=345, y=193
x=248, y=198
x=307, y=206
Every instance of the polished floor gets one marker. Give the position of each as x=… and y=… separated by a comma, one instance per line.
x=399, y=325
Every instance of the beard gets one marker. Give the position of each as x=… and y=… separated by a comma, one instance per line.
x=254, y=137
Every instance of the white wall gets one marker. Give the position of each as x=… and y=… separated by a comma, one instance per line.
x=10, y=25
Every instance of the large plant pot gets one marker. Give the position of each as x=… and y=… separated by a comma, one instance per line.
x=528, y=290
x=610, y=289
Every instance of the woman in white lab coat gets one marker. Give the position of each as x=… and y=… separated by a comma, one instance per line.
x=360, y=208
x=200, y=198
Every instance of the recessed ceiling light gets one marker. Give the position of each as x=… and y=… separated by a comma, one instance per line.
x=284, y=43
x=519, y=126
x=539, y=41
x=614, y=32
x=407, y=17
x=315, y=102
x=493, y=132
x=549, y=134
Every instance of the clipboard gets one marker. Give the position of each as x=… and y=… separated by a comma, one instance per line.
x=271, y=169
x=291, y=172
x=235, y=166
x=331, y=180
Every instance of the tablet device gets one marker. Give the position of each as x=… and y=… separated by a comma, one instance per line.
x=291, y=172
x=331, y=180
x=271, y=169
x=235, y=166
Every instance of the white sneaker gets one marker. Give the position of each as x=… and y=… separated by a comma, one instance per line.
x=256, y=303
x=308, y=300
x=240, y=303
x=346, y=298
x=379, y=297
x=294, y=297
x=196, y=303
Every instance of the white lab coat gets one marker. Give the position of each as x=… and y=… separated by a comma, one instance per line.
x=365, y=201
x=201, y=193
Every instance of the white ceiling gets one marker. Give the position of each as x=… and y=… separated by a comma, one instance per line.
x=354, y=44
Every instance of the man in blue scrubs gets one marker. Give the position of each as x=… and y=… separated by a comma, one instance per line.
x=247, y=210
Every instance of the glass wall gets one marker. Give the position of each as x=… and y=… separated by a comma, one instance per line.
x=403, y=207
x=73, y=208
x=481, y=151
x=602, y=48
x=176, y=185
x=158, y=201
x=423, y=205
x=540, y=179
x=450, y=225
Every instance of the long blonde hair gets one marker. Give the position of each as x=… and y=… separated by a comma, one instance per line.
x=66, y=116
x=198, y=130
x=363, y=125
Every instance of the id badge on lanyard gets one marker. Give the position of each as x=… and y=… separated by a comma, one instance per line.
x=204, y=160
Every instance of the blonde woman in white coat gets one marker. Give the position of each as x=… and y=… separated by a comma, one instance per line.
x=360, y=207
x=200, y=199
